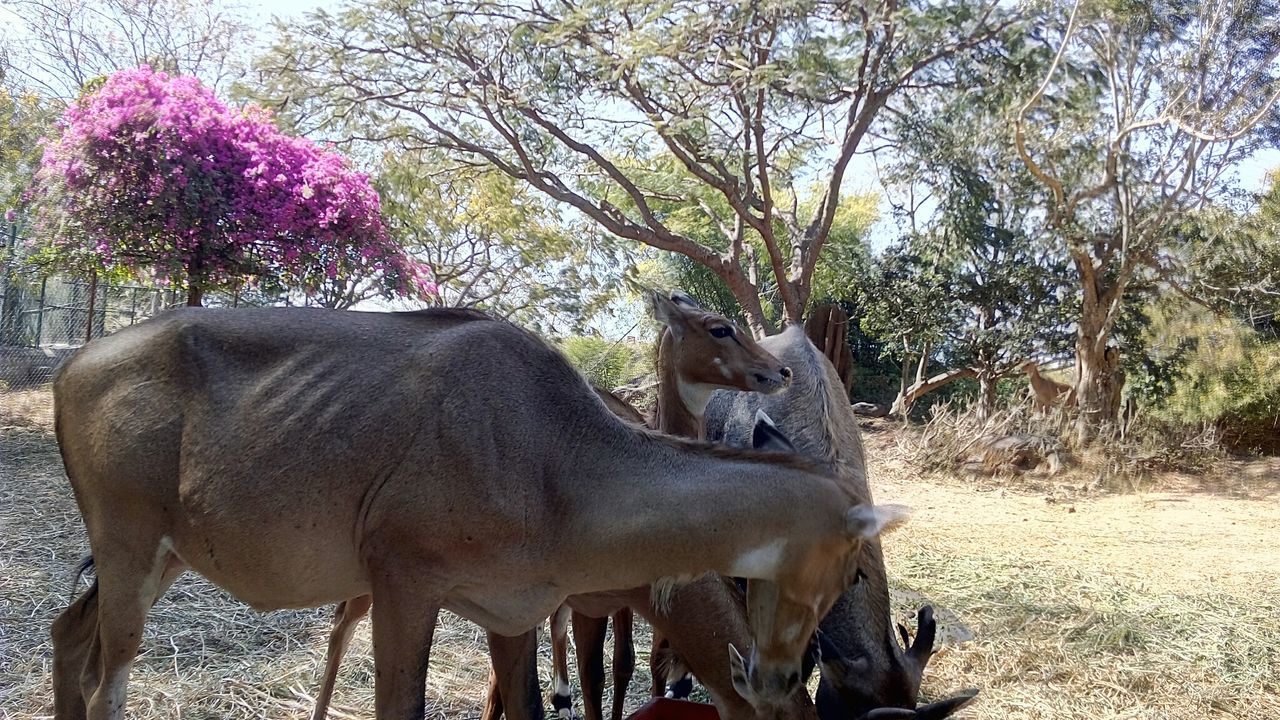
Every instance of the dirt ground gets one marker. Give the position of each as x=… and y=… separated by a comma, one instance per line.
x=1057, y=605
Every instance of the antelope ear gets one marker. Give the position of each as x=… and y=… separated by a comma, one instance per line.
x=679, y=297
x=945, y=708
x=738, y=671
x=667, y=311
x=766, y=436
x=867, y=521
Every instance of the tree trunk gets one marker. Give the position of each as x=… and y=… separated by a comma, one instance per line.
x=195, y=268
x=749, y=298
x=903, y=404
x=93, y=296
x=828, y=329
x=1097, y=366
x=986, y=393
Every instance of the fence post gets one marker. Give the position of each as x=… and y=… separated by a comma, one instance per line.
x=40, y=313
x=93, y=298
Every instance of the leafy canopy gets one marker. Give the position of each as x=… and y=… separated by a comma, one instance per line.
x=154, y=174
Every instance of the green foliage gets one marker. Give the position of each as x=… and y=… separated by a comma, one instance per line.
x=24, y=119
x=1226, y=372
x=493, y=244
x=607, y=363
x=699, y=128
x=1230, y=260
x=841, y=268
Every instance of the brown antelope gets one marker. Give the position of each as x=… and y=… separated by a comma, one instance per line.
x=1047, y=392
x=865, y=673
x=686, y=381
x=437, y=459
x=350, y=612
x=702, y=617
x=700, y=351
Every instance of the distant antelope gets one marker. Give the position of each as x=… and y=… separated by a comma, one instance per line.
x=1047, y=392
x=865, y=672
x=430, y=460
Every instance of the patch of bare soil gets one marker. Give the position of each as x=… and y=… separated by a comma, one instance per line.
x=1158, y=604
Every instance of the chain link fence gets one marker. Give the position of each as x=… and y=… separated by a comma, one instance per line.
x=44, y=319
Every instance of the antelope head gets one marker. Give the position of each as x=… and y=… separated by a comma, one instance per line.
x=854, y=690
x=709, y=351
x=784, y=614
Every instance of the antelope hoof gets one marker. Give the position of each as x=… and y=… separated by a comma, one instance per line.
x=681, y=689
x=563, y=705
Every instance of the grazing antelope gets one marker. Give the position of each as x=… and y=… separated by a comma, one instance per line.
x=699, y=352
x=865, y=673
x=350, y=612
x=437, y=459
x=1047, y=392
x=701, y=618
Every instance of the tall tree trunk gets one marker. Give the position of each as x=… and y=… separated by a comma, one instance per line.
x=828, y=329
x=987, y=380
x=1096, y=374
x=195, y=293
x=749, y=298
x=1097, y=365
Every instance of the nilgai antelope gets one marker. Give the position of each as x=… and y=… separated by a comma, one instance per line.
x=702, y=617
x=350, y=612
x=437, y=459
x=1047, y=392
x=865, y=673
x=698, y=352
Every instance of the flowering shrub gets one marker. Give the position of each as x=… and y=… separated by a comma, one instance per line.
x=155, y=174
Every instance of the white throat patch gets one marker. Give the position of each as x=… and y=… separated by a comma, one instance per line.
x=760, y=563
x=695, y=396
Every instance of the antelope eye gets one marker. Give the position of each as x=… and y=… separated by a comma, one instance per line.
x=721, y=331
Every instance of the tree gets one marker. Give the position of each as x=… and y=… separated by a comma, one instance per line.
x=606, y=363
x=65, y=45
x=971, y=214
x=1229, y=261
x=905, y=305
x=24, y=118
x=153, y=174
x=589, y=101
x=1141, y=112
x=489, y=242
x=1221, y=371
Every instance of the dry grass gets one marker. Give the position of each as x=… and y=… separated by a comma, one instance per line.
x=1020, y=447
x=1107, y=606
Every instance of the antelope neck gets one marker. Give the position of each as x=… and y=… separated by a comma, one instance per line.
x=681, y=404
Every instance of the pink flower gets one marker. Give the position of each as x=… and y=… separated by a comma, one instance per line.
x=167, y=173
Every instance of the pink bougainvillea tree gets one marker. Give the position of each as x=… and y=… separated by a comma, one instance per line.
x=153, y=174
